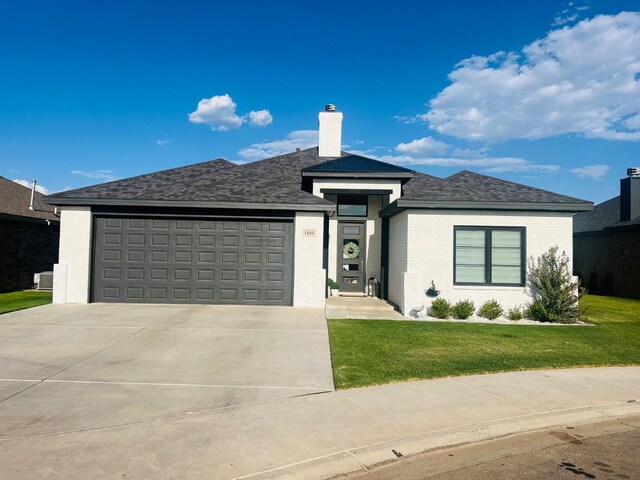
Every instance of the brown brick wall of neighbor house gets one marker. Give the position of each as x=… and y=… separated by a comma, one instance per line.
x=26, y=248
x=609, y=264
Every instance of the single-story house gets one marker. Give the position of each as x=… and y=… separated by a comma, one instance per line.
x=29, y=234
x=606, y=242
x=271, y=232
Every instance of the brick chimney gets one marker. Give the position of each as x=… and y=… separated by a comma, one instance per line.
x=630, y=195
x=330, y=132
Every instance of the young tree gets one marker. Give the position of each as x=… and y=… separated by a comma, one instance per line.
x=554, y=292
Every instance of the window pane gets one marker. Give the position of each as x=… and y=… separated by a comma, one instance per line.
x=506, y=257
x=470, y=256
x=506, y=275
x=505, y=238
x=470, y=238
x=470, y=274
x=351, y=230
x=352, y=205
x=352, y=210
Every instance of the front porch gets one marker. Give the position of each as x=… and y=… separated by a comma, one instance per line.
x=355, y=307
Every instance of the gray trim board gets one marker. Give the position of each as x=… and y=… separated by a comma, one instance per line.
x=356, y=191
x=356, y=175
x=19, y=218
x=189, y=204
x=400, y=205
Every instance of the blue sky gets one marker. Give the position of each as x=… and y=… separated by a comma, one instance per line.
x=544, y=93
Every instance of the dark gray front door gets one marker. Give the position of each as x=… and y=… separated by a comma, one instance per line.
x=174, y=260
x=351, y=256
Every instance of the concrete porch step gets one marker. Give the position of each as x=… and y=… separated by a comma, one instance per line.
x=359, y=307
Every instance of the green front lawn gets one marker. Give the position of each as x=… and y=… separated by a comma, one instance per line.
x=371, y=352
x=12, y=301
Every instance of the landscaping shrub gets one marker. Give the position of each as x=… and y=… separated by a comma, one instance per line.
x=490, y=309
x=440, y=308
x=463, y=309
x=332, y=284
x=555, y=293
x=515, y=313
x=535, y=311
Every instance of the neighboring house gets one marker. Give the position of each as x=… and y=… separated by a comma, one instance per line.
x=606, y=242
x=29, y=238
x=271, y=232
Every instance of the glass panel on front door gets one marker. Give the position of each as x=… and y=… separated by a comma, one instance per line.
x=351, y=256
x=351, y=230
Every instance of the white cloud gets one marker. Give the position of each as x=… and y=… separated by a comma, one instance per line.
x=488, y=164
x=295, y=139
x=569, y=14
x=581, y=79
x=163, y=142
x=564, y=18
x=407, y=119
x=594, y=172
x=423, y=146
x=261, y=118
x=96, y=174
x=219, y=112
x=26, y=183
x=470, y=152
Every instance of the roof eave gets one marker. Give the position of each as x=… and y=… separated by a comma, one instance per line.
x=23, y=218
x=190, y=204
x=404, y=204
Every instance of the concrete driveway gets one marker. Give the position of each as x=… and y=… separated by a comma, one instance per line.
x=70, y=368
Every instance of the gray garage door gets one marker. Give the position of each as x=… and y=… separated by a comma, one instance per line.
x=161, y=260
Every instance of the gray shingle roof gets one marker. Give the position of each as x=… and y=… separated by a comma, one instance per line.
x=605, y=215
x=284, y=170
x=15, y=200
x=278, y=181
x=467, y=186
x=215, y=181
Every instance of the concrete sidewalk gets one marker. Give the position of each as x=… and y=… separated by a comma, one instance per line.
x=319, y=436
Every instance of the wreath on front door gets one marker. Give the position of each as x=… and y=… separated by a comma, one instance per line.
x=351, y=251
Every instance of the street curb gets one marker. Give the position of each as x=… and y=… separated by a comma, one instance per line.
x=364, y=459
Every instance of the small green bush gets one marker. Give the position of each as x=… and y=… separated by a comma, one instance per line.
x=490, y=309
x=515, y=313
x=463, y=309
x=332, y=284
x=440, y=308
x=536, y=311
x=554, y=291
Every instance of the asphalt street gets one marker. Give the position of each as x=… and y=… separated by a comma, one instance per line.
x=604, y=450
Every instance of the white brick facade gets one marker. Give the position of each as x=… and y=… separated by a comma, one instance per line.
x=430, y=252
x=72, y=272
x=309, y=278
x=398, y=236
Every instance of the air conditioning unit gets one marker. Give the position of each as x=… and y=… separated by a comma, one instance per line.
x=43, y=281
